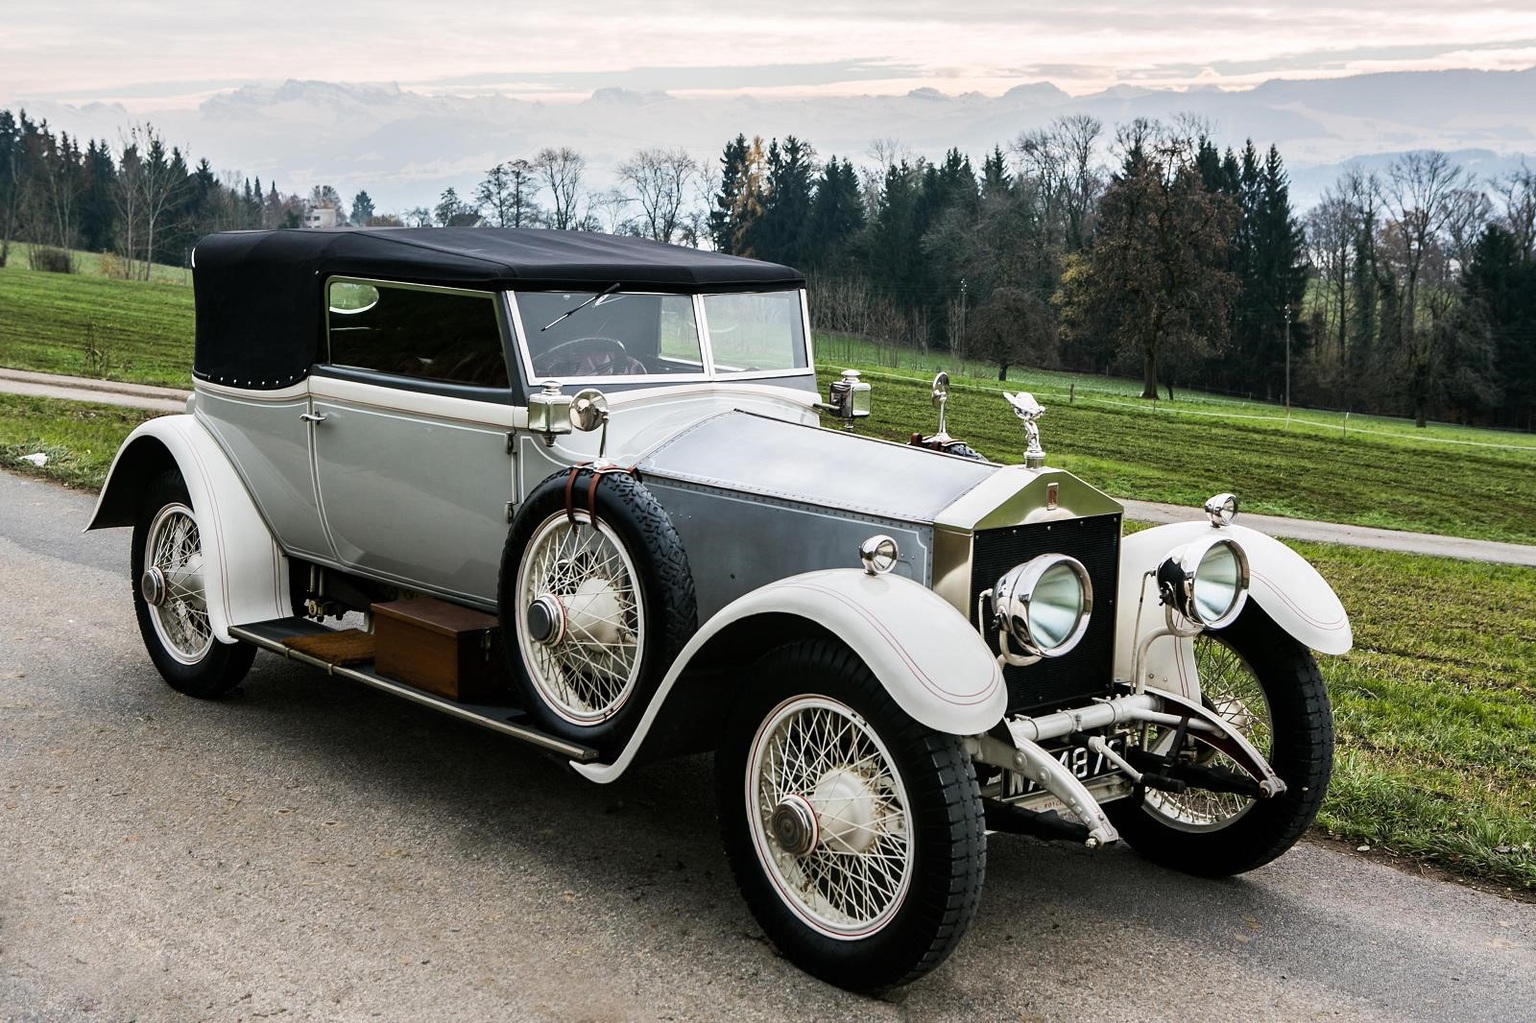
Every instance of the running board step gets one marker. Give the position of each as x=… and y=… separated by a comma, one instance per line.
x=506, y=720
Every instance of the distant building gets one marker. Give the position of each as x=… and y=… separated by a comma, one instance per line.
x=323, y=215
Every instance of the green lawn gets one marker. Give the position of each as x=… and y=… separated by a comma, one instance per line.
x=1387, y=479
x=94, y=326
x=1435, y=710
x=78, y=438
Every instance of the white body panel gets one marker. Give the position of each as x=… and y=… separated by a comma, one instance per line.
x=928, y=657
x=245, y=574
x=1282, y=583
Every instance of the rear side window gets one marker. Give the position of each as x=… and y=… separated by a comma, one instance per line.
x=431, y=333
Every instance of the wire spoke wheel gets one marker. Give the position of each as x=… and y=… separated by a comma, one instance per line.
x=848, y=865
x=1267, y=686
x=1230, y=687
x=174, y=554
x=170, y=568
x=855, y=832
x=585, y=662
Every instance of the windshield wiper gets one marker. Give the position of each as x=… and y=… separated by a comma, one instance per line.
x=600, y=295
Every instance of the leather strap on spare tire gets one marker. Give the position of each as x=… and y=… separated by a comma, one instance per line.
x=596, y=601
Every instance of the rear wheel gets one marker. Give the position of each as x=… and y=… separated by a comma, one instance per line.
x=169, y=598
x=1267, y=685
x=855, y=833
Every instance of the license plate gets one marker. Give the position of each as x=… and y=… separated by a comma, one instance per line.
x=1084, y=763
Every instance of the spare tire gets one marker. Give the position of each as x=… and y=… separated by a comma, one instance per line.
x=596, y=601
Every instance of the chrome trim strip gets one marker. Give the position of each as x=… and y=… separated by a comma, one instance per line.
x=580, y=754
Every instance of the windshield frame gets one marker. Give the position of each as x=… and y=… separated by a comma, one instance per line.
x=711, y=372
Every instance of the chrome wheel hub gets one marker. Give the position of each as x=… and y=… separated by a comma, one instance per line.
x=794, y=825
x=546, y=620
x=153, y=586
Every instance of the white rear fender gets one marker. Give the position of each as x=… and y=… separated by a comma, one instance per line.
x=1282, y=583
x=928, y=657
x=245, y=574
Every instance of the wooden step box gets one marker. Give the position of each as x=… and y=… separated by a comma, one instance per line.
x=441, y=648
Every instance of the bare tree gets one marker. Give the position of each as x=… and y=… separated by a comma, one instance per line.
x=1330, y=227
x=506, y=195
x=659, y=180
x=149, y=182
x=561, y=170
x=1518, y=190
x=1419, y=195
x=1468, y=212
x=1061, y=161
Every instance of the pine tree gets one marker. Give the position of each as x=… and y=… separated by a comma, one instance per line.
x=780, y=232
x=733, y=169
x=362, y=209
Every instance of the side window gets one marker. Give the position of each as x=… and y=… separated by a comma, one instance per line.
x=431, y=333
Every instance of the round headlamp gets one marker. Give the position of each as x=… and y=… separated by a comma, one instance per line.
x=1206, y=581
x=1043, y=605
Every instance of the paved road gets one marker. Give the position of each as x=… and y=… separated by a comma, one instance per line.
x=162, y=399
x=1354, y=536
x=315, y=850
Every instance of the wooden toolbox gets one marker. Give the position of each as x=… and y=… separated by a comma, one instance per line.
x=442, y=648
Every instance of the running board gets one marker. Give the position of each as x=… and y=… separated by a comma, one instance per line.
x=270, y=636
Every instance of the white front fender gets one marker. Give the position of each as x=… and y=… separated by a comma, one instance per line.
x=930, y=660
x=1282, y=583
x=245, y=574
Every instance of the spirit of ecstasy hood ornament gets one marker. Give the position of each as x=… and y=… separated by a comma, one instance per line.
x=1029, y=410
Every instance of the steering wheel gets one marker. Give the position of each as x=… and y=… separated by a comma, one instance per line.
x=589, y=357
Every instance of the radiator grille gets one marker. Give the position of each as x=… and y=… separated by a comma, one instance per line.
x=1088, y=670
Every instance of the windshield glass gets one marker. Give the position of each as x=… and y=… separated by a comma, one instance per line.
x=592, y=333
x=756, y=331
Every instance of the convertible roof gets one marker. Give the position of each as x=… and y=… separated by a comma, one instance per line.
x=260, y=310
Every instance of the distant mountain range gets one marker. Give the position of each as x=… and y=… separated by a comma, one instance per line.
x=406, y=147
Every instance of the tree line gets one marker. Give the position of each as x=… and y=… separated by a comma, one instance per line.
x=1141, y=250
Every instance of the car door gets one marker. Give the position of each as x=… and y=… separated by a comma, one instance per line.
x=408, y=422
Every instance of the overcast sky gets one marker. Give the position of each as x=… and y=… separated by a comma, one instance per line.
x=158, y=54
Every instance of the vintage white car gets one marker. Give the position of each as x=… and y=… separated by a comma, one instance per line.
x=578, y=489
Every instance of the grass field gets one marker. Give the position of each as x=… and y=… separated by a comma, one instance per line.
x=79, y=439
x=95, y=326
x=1435, y=710
x=1131, y=451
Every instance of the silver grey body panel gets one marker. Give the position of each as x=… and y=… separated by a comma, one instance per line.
x=830, y=469
x=269, y=446
x=738, y=542
x=414, y=498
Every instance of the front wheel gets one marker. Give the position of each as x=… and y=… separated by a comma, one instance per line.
x=856, y=834
x=1267, y=685
x=169, y=599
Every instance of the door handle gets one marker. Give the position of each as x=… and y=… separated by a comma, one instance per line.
x=312, y=417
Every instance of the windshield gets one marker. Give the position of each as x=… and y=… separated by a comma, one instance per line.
x=582, y=334
x=599, y=333
x=756, y=331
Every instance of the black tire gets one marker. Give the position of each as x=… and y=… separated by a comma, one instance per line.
x=941, y=844
x=570, y=681
x=176, y=632
x=1254, y=673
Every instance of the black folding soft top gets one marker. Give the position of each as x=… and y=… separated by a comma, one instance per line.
x=260, y=310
